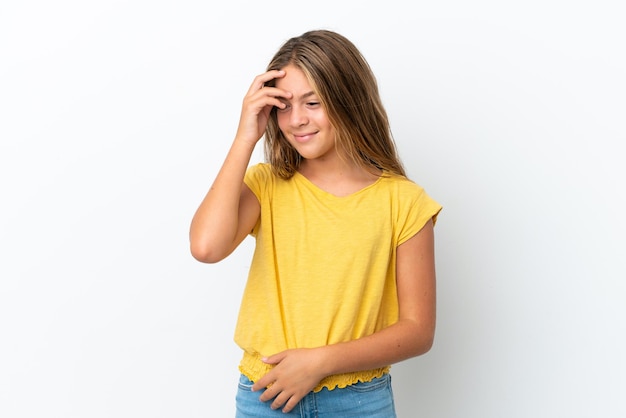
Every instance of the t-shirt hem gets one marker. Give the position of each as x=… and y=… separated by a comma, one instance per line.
x=254, y=368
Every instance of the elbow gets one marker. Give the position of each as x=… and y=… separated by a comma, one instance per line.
x=426, y=337
x=422, y=340
x=420, y=347
x=427, y=340
x=206, y=253
x=427, y=344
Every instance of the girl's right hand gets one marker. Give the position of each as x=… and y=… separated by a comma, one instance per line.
x=257, y=105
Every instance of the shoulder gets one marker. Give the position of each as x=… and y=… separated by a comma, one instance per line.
x=400, y=185
x=260, y=173
x=259, y=169
x=410, y=197
x=262, y=179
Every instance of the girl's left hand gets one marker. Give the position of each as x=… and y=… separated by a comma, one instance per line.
x=296, y=372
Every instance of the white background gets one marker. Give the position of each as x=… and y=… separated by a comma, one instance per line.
x=115, y=116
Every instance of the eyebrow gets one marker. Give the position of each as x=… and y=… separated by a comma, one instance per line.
x=301, y=97
x=305, y=95
x=309, y=94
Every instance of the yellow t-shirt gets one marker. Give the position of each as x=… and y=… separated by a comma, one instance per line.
x=323, y=269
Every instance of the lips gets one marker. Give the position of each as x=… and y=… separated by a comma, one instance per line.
x=303, y=137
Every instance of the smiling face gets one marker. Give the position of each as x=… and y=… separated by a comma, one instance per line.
x=304, y=122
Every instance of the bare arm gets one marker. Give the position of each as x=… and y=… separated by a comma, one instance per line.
x=229, y=210
x=298, y=371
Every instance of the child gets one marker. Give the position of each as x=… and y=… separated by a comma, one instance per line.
x=342, y=281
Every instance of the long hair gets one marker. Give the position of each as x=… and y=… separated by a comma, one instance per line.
x=348, y=92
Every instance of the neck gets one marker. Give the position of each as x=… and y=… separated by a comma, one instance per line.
x=329, y=168
x=338, y=176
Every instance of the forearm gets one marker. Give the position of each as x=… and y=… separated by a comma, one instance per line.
x=414, y=333
x=398, y=342
x=298, y=371
x=214, y=227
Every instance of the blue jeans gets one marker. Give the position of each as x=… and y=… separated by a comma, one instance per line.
x=371, y=399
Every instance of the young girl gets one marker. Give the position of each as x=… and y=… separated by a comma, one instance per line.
x=342, y=281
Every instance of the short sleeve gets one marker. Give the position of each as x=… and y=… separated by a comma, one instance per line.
x=416, y=209
x=256, y=178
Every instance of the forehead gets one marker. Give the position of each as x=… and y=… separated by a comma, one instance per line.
x=294, y=81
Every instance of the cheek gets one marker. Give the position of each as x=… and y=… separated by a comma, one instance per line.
x=323, y=121
x=282, y=120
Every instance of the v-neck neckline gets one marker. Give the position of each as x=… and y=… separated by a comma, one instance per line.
x=319, y=190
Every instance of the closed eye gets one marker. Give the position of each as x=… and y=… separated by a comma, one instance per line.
x=287, y=107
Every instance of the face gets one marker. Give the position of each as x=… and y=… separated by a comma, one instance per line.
x=304, y=121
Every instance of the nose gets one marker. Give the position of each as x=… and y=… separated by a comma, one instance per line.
x=298, y=116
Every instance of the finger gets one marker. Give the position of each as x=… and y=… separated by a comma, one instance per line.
x=291, y=403
x=267, y=94
x=261, y=383
x=260, y=80
x=264, y=100
x=280, y=400
x=275, y=358
x=273, y=100
x=270, y=393
x=269, y=360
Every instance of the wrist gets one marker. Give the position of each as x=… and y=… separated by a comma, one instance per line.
x=242, y=141
x=326, y=360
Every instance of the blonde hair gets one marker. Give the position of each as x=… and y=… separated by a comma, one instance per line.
x=348, y=91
